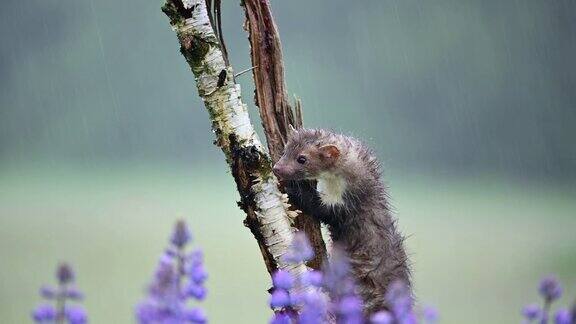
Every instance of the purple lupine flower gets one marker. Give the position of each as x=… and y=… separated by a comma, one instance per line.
x=399, y=298
x=73, y=293
x=196, y=315
x=300, y=250
x=279, y=298
x=308, y=302
x=563, y=316
x=312, y=278
x=312, y=303
x=76, y=315
x=165, y=279
x=48, y=292
x=195, y=258
x=147, y=311
x=345, y=305
x=64, y=274
x=178, y=278
x=532, y=312
x=314, y=308
x=338, y=282
x=337, y=279
x=409, y=318
x=283, y=280
x=349, y=310
x=196, y=291
x=44, y=313
x=181, y=235
x=550, y=288
x=61, y=296
x=430, y=314
x=382, y=317
x=198, y=274
x=280, y=318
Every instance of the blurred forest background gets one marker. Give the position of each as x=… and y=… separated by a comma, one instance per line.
x=471, y=105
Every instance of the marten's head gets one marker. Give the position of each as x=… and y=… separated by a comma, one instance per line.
x=308, y=153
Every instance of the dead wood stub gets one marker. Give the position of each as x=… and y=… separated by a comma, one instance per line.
x=271, y=98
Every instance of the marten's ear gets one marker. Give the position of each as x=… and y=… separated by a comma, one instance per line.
x=291, y=130
x=329, y=151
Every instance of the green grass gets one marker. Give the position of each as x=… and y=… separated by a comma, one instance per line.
x=478, y=247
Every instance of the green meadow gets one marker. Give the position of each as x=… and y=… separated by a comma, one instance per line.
x=478, y=245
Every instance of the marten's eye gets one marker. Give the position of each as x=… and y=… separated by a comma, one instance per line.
x=301, y=159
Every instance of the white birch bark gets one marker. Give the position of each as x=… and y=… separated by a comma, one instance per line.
x=235, y=133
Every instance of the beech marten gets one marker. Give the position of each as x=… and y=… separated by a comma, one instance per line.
x=336, y=178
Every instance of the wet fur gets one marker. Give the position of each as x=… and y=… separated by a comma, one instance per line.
x=362, y=224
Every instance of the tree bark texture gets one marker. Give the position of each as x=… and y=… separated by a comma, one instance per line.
x=267, y=210
x=271, y=98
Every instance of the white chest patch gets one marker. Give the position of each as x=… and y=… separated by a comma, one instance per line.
x=330, y=189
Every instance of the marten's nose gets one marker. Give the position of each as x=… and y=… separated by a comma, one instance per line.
x=277, y=171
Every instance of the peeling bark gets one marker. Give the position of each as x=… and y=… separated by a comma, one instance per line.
x=272, y=100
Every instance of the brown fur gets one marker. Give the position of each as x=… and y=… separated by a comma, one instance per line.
x=362, y=222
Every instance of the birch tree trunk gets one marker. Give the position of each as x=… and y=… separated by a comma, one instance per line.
x=267, y=210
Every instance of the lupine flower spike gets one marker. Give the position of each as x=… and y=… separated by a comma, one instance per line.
x=308, y=305
x=532, y=312
x=179, y=278
x=550, y=290
x=57, y=308
x=345, y=306
x=563, y=316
